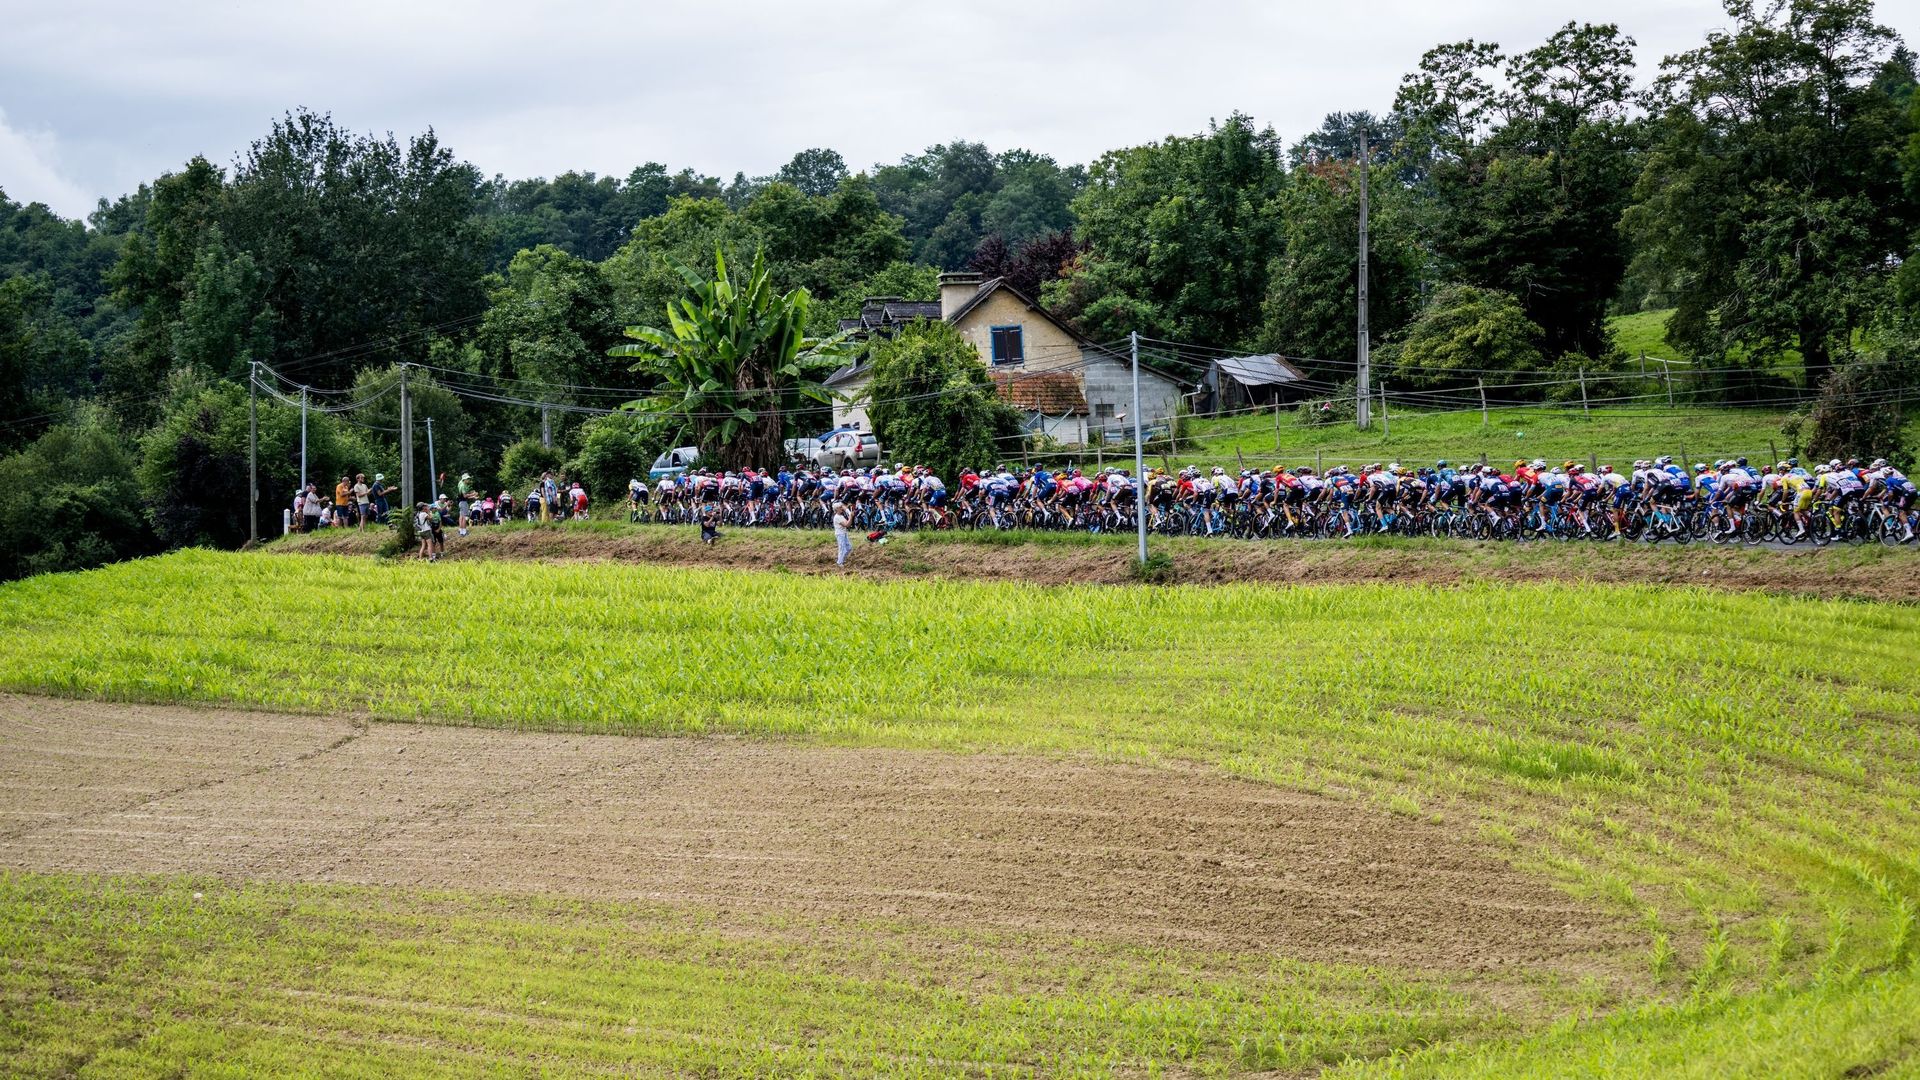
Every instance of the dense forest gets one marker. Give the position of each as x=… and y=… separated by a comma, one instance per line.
x=1765, y=186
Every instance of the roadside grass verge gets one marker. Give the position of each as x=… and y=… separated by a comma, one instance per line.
x=1869, y=572
x=1740, y=773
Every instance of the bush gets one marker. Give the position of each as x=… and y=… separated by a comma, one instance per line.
x=1323, y=412
x=1463, y=331
x=524, y=461
x=615, y=449
x=71, y=501
x=1858, y=413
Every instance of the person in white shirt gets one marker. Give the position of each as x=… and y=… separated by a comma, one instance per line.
x=842, y=521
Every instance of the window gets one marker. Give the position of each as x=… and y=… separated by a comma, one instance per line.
x=1103, y=412
x=1007, y=347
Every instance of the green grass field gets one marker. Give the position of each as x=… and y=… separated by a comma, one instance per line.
x=1613, y=436
x=1739, y=775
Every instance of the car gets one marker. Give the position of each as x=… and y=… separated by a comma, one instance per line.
x=802, y=449
x=848, y=450
x=674, y=462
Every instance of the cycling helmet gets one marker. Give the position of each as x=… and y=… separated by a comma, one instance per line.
x=1568, y=464
x=1218, y=471
x=1539, y=463
x=1742, y=462
x=1878, y=463
x=1441, y=464
x=1606, y=469
x=1821, y=470
x=1853, y=463
x=1700, y=467
x=1793, y=462
x=1664, y=459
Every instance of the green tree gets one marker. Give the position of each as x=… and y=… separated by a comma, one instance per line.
x=43, y=358
x=1464, y=331
x=1181, y=233
x=72, y=502
x=814, y=172
x=1531, y=167
x=222, y=324
x=908, y=281
x=551, y=321
x=1772, y=197
x=192, y=470
x=525, y=461
x=932, y=402
x=954, y=195
x=1313, y=290
x=615, y=449
x=735, y=362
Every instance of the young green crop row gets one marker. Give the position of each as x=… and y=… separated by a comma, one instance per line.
x=1737, y=771
x=136, y=977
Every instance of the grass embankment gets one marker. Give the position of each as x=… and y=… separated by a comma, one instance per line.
x=1558, y=433
x=1737, y=772
x=1868, y=572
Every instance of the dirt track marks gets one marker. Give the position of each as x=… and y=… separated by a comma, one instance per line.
x=988, y=841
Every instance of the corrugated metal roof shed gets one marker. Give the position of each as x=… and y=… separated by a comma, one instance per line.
x=1266, y=370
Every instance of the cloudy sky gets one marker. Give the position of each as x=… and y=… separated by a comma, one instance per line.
x=97, y=97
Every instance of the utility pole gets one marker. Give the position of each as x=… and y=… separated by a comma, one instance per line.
x=253, y=452
x=303, y=438
x=1139, y=452
x=406, y=445
x=1483, y=402
x=1584, y=409
x=546, y=429
x=433, y=478
x=1362, y=399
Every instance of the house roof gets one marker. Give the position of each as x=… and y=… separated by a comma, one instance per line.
x=993, y=285
x=884, y=313
x=1055, y=393
x=1266, y=370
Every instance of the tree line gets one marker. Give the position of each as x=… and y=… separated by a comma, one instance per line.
x=1764, y=186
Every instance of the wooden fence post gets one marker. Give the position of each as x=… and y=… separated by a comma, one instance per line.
x=1584, y=410
x=1483, y=402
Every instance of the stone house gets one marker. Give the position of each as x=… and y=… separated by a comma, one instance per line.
x=1066, y=385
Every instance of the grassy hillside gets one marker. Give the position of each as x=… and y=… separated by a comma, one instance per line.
x=1644, y=333
x=1613, y=436
x=1664, y=752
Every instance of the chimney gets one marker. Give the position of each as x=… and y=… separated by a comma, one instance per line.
x=956, y=288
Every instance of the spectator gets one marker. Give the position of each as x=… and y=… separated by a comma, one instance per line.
x=313, y=508
x=842, y=521
x=342, y=494
x=362, y=500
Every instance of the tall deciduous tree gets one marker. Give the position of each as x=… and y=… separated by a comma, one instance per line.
x=1773, y=195
x=735, y=362
x=1532, y=167
x=1313, y=291
x=1181, y=234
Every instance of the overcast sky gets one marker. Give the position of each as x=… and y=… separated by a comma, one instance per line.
x=97, y=97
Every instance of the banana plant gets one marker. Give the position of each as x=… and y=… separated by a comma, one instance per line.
x=733, y=361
